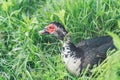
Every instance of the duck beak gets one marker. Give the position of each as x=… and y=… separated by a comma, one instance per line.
x=43, y=31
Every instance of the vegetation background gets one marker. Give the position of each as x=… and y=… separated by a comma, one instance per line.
x=26, y=55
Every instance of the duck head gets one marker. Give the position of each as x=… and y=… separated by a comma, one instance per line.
x=56, y=29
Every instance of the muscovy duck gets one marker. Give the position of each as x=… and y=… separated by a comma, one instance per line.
x=77, y=57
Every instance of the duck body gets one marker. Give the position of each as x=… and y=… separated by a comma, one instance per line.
x=87, y=52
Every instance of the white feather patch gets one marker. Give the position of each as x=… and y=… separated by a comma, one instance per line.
x=72, y=63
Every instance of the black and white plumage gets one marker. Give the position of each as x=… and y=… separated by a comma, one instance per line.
x=77, y=57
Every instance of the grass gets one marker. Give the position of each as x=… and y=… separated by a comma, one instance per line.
x=25, y=55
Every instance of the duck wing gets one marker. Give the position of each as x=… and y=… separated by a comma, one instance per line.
x=94, y=42
x=95, y=50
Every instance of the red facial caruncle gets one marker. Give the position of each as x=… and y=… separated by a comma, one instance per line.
x=51, y=28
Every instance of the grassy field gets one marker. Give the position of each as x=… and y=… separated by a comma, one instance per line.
x=26, y=55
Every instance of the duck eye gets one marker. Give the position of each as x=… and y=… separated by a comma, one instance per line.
x=51, y=27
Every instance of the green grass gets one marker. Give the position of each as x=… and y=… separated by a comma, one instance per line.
x=26, y=55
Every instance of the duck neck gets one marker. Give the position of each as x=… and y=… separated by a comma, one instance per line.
x=68, y=47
